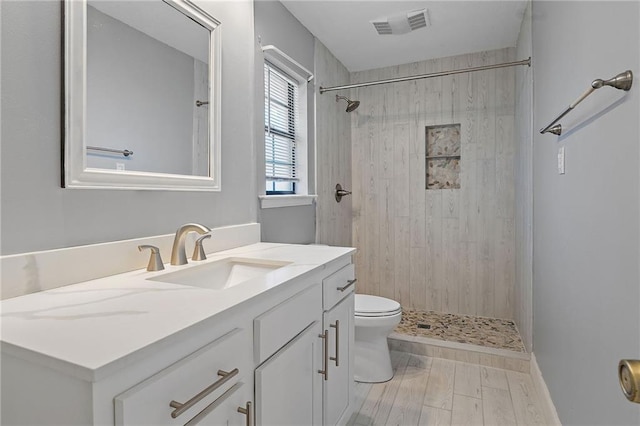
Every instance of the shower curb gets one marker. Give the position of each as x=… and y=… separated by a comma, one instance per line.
x=464, y=352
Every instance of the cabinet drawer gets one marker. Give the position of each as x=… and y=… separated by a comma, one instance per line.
x=338, y=285
x=193, y=382
x=273, y=329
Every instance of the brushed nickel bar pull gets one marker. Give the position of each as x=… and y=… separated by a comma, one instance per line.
x=325, y=359
x=337, y=357
x=431, y=75
x=248, y=411
x=349, y=284
x=124, y=152
x=622, y=81
x=215, y=404
x=181, y=408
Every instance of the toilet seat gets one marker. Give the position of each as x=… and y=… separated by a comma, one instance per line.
x=375, y=306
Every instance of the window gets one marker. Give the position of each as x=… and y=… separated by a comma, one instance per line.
x=281, y=122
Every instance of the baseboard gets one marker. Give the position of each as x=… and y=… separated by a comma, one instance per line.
x=543, y=393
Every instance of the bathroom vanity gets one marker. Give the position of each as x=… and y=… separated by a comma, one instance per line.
x=271, y=347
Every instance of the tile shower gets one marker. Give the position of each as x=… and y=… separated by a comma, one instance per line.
x=434, y=197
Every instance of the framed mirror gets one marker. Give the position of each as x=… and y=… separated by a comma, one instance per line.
x=142, y=96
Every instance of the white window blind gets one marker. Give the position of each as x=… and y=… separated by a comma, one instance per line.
x=280, y=120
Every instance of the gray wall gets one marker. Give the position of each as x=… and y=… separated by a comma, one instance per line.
x=522, y=289
x=586, y=223
x=274, y=25
x=140, y=96
x=36, y=213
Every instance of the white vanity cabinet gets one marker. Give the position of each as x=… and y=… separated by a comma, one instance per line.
x=280, y=356
x=338, y=321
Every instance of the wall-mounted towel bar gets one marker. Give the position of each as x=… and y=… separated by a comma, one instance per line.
x=124, y=152
x=621, y=81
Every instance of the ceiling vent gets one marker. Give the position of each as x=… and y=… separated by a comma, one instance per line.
x=401, y=23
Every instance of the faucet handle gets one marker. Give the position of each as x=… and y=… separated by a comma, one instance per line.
x=198, y=250
x=155, y=261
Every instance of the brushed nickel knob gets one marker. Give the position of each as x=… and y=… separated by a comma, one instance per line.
x=629, y=375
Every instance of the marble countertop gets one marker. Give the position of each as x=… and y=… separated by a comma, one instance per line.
x=91, y=327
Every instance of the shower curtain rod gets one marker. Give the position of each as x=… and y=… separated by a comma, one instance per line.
x=417, y=77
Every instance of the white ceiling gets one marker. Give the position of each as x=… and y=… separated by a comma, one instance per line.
x=457, y=27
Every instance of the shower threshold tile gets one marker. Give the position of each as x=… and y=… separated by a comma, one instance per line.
x=482, y=331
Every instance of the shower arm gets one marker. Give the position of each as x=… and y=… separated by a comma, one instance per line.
x=622, y=81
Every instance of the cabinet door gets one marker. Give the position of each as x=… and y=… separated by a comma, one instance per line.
x=288, y=385
x=338, y=389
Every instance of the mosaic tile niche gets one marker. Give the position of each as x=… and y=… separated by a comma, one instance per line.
x=443, y=156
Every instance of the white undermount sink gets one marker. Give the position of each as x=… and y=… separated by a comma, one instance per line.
x=221, y=274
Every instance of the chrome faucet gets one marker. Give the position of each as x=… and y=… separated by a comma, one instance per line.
x=178, y=255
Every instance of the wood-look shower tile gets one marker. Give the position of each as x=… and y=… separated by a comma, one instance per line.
x=371, y=152
x=386, y=166
x=485, y=95
x=451, y=266
x=371, y=267
x=505, y=167
x=401, y=176
x=435, y=270
x=469, y=192
x=417, y=169
x=504, y=268
x=486, y=239
x=451, y=203
x=387, y=242
x=505, y=81
x=418, y=278
x=474, y=101
x=467, y=279
x=402, y=230
x=466, y=103
x=447, y=104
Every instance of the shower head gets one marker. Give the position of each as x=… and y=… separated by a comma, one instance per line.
x=351, y=105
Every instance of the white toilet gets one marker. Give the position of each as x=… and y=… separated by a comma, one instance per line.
x=375, y=319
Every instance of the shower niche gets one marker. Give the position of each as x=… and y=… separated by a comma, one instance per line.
x=443, y=156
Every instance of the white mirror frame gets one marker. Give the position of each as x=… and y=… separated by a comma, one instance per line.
x=76, y=174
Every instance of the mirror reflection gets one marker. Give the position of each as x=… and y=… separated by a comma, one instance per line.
x=147, y=89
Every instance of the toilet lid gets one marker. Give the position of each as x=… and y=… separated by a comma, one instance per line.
x=367, y=305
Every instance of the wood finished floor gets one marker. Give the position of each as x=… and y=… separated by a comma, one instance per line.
x=435, y=391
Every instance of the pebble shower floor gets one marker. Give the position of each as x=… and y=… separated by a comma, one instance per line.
x=481, y=331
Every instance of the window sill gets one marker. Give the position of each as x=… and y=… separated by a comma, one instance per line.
x=275, y=201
